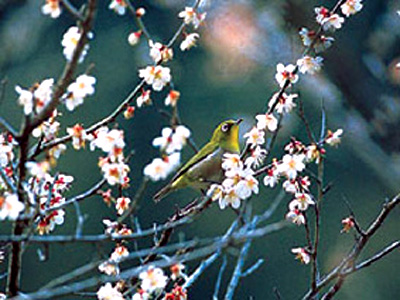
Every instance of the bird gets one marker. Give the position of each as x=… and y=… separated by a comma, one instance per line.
x=204, y=168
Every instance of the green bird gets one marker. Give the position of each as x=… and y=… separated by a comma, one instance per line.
x=204, y=168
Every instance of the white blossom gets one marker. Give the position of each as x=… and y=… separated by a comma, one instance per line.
x=286, y=73
x=172, y=140
x=156, y=76
x=70, y=41
x=172, y=98
x=119, y=253
x=25, y=99
x=267, y=121
x=10, y=206
x=284, y=104
x=309, y=64
x=153, y=279
x=134, y=38
x=118, y=6
x=43, y=94
x=115, y=173
x=159, y=52
x=296, y=217
x=246, y=186
x=190, y=16
x=107, y=292
x=272, y=177
x=230, y=198
x=78, y=90
x=254, y=137
x=160, y=168
x=189, y=41
x=302, y=255
x=122, y=204
x=52, y=8
x=256, y=157
x=351, y=7
x=291, y=165
x=231, y=161
x=79, y=136
x=334, y=138
x=301, y=202
x=109, y=141
x=109, y=268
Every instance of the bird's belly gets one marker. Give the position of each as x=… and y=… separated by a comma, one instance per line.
x=207, y=171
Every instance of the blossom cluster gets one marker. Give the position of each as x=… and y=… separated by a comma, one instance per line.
x=290, y=167
x=114, y=166
x=158, y=76
x=46, y=191
x=77, y=91
x=35, y=99
x=170, y=143
x=153, y=283
x=239, y=183
x=329, y=22
x=10, y=204
x=191, y=16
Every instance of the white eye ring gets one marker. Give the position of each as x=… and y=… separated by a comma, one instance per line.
x=225, y=127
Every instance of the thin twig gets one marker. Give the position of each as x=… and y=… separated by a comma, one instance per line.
x=80, y=220
x=7, y=180
x=204, y=265
x=3, y=84
x=72, y=10
x=7, y=127
x=138, y=20
x=86, y=194
x=368, y=262
x=139, y=194
x=219, y=278
x=237, y=273
x=302, y=116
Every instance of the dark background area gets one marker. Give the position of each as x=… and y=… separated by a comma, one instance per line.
x=229, y=75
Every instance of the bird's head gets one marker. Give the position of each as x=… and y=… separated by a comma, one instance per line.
x=227, y=135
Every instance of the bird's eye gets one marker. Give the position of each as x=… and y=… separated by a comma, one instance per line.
x=225, y=127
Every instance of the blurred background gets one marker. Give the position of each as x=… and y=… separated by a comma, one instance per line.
x=229, y=75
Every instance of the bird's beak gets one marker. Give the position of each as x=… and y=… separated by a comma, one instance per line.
x=238, y=121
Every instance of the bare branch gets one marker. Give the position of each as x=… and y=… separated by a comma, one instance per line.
x=213, y=246
x=348, y=261
x=219, y=278
x=90, y=192
x=209, y=261
x=253, y=268
x=368, y=262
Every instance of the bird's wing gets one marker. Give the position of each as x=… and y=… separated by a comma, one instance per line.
x=200, y=156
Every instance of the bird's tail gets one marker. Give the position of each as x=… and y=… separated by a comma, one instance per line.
x=162, y=193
